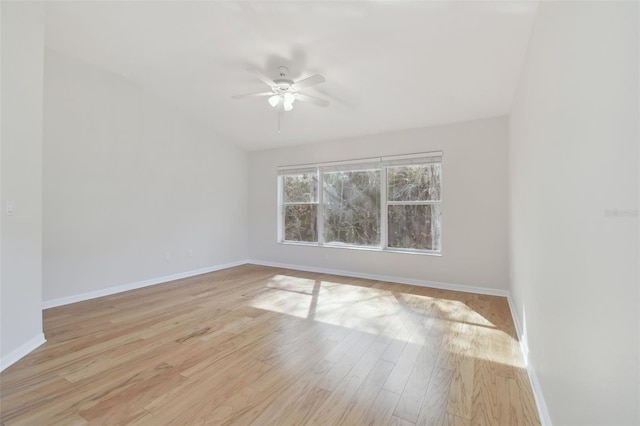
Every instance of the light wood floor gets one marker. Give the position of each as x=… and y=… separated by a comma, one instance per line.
x=258, y=345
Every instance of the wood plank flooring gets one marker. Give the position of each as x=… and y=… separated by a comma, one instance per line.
x=268, y=346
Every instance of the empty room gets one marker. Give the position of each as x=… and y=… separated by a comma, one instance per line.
x=320, y=212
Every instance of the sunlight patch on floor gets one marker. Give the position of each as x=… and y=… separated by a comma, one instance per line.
x=365, y=309
x=389, y=314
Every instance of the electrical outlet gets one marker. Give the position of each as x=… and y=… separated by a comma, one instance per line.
x=189, y=252
x=167, y=256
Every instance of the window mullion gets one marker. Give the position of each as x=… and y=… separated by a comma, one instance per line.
x=414, y=203
x=320, y=209
x=384, y=235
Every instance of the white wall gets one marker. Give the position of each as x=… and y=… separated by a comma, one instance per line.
x=129, y=179
x=474, y=206
x=22, y=26
x=573, y=155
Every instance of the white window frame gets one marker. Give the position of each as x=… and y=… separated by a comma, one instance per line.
x=282, y=204
x=346, y=166
x=408, y=160
x=378, y=163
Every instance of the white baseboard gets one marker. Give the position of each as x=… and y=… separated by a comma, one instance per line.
x=399, y=280
x=132, y=286
x=543, y=412
x=519, y=330
x=22, y=350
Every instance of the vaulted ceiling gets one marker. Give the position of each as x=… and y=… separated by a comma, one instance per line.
x=388, y=65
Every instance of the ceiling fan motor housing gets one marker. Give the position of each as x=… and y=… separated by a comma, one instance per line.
x=282, y=85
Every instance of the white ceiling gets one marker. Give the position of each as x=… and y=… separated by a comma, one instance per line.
x=388, y=65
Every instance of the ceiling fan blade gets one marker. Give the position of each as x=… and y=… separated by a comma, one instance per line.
x=308, y=82
x=312, y=99
x=252, y=94
x=256, y=72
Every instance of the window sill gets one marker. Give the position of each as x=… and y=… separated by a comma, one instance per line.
x=363, y=248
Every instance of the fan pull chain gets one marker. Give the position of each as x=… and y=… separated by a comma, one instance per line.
x=279, y=116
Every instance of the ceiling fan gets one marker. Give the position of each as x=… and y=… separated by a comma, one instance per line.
x=284, y=91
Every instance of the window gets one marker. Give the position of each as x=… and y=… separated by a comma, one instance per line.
x=351, y=205
x=413, y=206
x=300, y=206
x=390, y=203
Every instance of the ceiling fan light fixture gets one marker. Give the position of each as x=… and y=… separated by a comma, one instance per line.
x=274, y=100
x=288, y=99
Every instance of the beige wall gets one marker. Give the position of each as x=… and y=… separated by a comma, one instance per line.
x=129, y=179
x=573, y=156
x=22, y=26
x=474, y=206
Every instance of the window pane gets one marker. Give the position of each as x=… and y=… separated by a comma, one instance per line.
x=300, y=222
x=414, y=183
x=352, y=207
x=414, y=227
x=301, y=188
